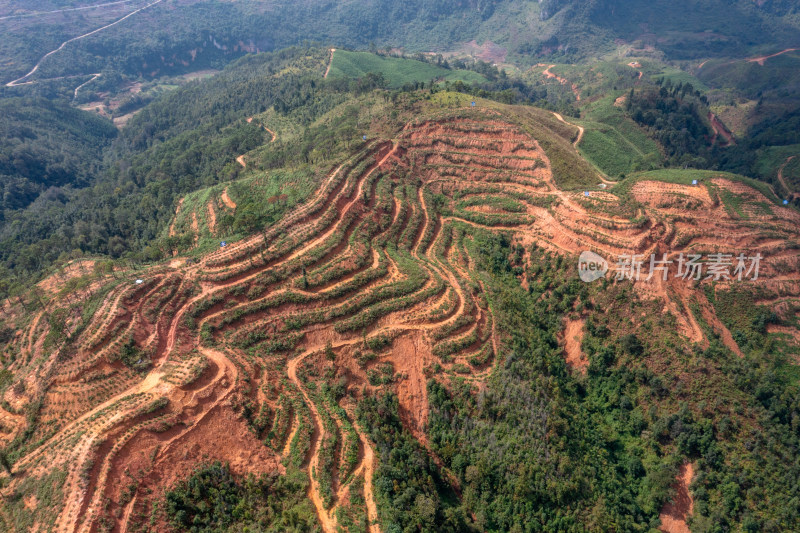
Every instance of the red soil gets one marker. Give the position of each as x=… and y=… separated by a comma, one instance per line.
x=211, y=208
x=330, y=62
x=720, y=130
x=227, y=200
x=488, y=51
x=674, y=514
x=573, y=336
x=563, y=81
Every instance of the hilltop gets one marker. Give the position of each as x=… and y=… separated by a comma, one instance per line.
x=394, y=322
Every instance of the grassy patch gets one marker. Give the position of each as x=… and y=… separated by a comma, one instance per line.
x=614, y=143
x=36, y=501
x=396, y=70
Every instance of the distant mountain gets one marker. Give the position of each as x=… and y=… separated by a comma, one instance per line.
x=179, y=37
x=682, y=29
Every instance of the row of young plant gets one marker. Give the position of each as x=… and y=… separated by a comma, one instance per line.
x=97, y=334
x=358, y=282
x=293, y=220
x=359, y=240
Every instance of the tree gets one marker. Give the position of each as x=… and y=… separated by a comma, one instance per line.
x=5, y=463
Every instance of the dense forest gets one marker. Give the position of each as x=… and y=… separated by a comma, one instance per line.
x=46, y=145
x=212, y=499
x=675, y=117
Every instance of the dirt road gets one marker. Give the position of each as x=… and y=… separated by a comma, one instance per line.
x=762, y=59
x=79, y=87
x=577, y=141
x=562, y=81
x=720, y=130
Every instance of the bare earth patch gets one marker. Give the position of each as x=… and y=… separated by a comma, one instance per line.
x=674, y=514
x=573, y=336
x=227, y=200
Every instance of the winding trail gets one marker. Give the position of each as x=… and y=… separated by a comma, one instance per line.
x=781, y=178
x=368, y=462
x=636, y=65
x=82, y=85
x=21, y=81
x=227, y=199
x=577, y=141
x=720, y=130
x=562, y=81
x=240, y=159
x=327, y=521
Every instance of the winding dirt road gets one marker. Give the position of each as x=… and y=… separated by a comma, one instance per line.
x=562, y=81
x=82, y=85
x=720, y=130
x=577, y=141
x=240, y=159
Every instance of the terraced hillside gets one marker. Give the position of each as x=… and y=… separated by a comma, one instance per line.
x=244, y=355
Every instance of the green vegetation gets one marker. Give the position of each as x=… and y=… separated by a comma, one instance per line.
x=409, y=491
x=614, y=142
x=46, y=146
x=212, y=499
x=601, y=451
x=397, y=71
x=675, y=116
x=48, y=491
x=185, y=140
x=752, y=79
x=516, y=440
